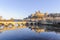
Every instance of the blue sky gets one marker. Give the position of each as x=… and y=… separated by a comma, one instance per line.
x=22, y=8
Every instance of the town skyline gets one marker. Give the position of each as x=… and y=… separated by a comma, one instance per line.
x=36, y=14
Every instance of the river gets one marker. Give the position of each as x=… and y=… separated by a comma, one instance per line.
x=29, y=33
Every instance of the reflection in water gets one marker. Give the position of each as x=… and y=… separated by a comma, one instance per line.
x=37, y=28
x=30, y=33
x=10, y=27
x=45, y=28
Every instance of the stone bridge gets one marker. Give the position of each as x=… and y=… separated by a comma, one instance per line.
x=11, y=25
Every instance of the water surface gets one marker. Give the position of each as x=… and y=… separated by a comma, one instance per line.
x=29, y=34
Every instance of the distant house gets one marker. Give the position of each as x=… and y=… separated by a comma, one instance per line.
x=54, y=15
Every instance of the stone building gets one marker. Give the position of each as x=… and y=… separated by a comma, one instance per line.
x=37, y=16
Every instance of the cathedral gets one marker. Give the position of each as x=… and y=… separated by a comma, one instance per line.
x=37, y=16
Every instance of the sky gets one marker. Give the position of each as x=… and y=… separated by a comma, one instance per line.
x=19, y=9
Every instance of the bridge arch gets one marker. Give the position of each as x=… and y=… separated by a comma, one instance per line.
x=10, y=25
x=2, y=25
x=16, y=25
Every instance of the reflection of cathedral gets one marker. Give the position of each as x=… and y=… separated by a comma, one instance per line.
x=37, y=29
